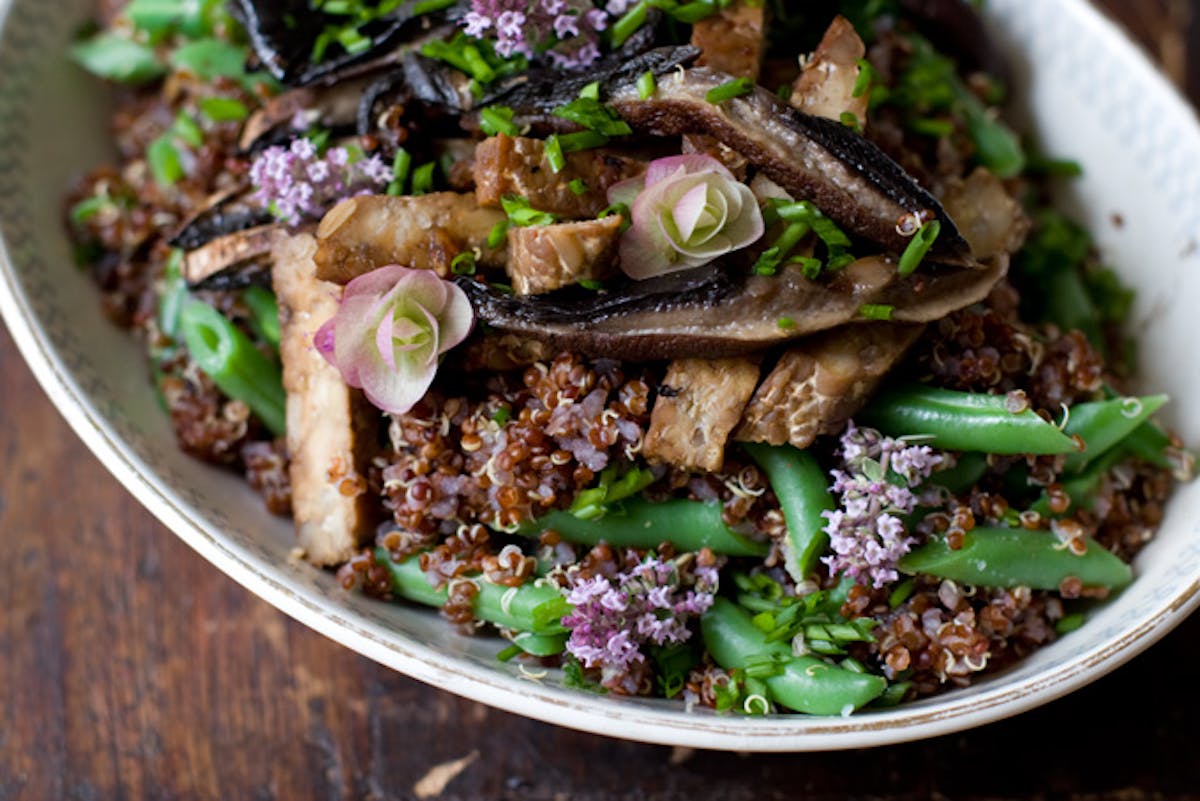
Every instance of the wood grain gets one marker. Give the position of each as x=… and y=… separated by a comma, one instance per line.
x=132, y=669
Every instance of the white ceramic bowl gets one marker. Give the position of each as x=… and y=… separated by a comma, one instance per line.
x=1088, y=93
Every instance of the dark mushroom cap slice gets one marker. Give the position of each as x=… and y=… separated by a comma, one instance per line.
x=721, y=310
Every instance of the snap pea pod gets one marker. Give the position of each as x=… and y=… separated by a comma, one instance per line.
x=537, y=609
x=1103, y=424
x=964, y=421
x=1014, y=557
x=803, y=493
x=233, y=363
x=803, y=683
x=638, y=523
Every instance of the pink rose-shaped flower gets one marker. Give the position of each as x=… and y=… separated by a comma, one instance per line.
x=687, y=211
x=392, y=325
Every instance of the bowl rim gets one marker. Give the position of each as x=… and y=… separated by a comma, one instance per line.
x=564, y=707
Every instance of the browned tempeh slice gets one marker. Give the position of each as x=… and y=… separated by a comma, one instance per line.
x=331, y=429
x=546, y=257
x=700, y=402
x=734, y=39
x=507, y=165
x=825, y=87
x=423, y=232
x=819, y=383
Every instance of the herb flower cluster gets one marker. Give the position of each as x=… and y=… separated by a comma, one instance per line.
x=299, y=182
x=567, y=31
x=866, y=533
x=649, y=605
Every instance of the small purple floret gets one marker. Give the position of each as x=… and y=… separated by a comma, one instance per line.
x=866, y=533
x=650, y=604
x=297, y=183
x=565, y=31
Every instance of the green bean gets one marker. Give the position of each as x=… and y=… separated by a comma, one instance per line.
x=1149, y=443
x=537, y=609
x=233, y=363
x=964, y=421
x=803, y=493
x=1014, y=557
x=264, y=314
x=965, y=473
x=802, y=683
x=1082, y=488
x=1103, y=424
x=638, y=523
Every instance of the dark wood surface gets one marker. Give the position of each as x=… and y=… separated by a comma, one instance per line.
x=130, y=668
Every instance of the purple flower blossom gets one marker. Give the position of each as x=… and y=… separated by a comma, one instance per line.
x=298, y=183
x=565, y=31
x=650, y=604
x=866, y=534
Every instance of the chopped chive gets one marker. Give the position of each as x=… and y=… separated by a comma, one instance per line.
x=851, y=121
x=353, y=41
x=430, y=6
x=581, y=140
x=554, y=154
x=693, y=12
x=109, y=55
x=211, y=58
x=866, y=75
x=592, y=284
x=646, y=85
x=918, y=246
x=401, y=163
x=502, y=415
x=223, y=109
x=88, y=208
x=462, y=55
x=729, y=90
x=477, y=67
x=629, y=22
x=767, y=262
x=422, y=180
x=928, y=126
x=498, y=235
x=1068, y=623
x=876, y=311
x=463, y=263
x=522, y=214
x=617, y=208
x=785, y=323
x=901, y=593
x=593, y=115
x=810, y=267
x=498, y=120
x=188, y=130
x=839, y=261
x=508, y=653
x=163, y=159
x=577, y=186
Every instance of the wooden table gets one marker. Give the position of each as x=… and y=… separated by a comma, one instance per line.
x=131, y=668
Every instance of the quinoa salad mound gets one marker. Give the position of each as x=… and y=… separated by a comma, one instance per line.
x=724, y=351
